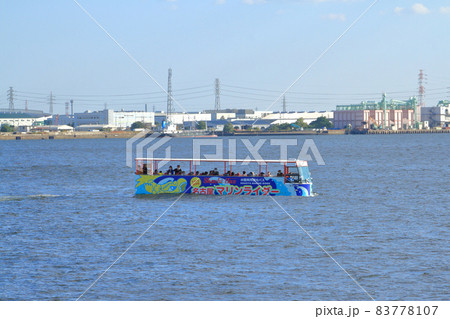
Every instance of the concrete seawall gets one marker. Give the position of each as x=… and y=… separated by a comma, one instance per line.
x=66, y=136
x=415, y=131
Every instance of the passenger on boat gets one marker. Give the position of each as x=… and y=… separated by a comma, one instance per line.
x=144, y=169
x=197, y=173
x=169, y=171
x=215, y=171
x=268, y=174
x=177, y=171
x=155, y=172
x=244, y=173
x=279, y=174
x=261, y=174
x=251, y=174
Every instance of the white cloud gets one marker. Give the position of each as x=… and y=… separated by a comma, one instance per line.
x=444, y=10
x=335, y=16
x=398, y=10
x=253, y=1
x=322, y=1
x=219, y=2
x=420, y=9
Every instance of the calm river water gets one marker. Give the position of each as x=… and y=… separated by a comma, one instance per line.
x=68, y=211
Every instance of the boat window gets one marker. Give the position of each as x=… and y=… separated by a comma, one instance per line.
x=292, y=175
x=304, y=172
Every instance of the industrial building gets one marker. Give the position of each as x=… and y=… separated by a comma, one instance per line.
x=437, y=116
x=180, y=118
x=22, y=118
x=117, y=119
x=394, y=115
x=291, y=117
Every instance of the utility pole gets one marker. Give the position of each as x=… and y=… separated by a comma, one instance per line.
x=217, y=104
x=11, y=98
x=169, y=97
x=50, y=102
x=284, y=103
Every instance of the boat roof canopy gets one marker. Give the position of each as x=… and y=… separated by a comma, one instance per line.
x=262, y=161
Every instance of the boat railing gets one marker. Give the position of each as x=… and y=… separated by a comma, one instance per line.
x=292, y=169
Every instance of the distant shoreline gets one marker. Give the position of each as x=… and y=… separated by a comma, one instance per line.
x=130, y=134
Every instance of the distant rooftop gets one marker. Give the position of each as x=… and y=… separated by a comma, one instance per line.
x=21, y=113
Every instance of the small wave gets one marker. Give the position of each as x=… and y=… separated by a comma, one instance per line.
x=19, y=198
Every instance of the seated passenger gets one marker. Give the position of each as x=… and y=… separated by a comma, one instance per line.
x=215, y=171
x=155, y=172
x=197, y=173
x=160, y=173
x=177, y=171
x=169, y=171
x=261, y=174
x=268, y=174
x=232, y=173
x=279, y=174
x=144, y=169
x=244, y=173
x=251, y=174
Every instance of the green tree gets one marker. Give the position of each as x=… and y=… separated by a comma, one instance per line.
x=301, y=122
x=321, y=122
x=228, y=128
x=201, y=125
x=7, y=128
x=136, y=125
x=280, y=127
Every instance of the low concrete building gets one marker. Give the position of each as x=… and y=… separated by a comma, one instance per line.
x=52, y=128
x=120, y=119
x=22, y=118
x=394, y=119
x=437, y=116
x=180, y=118
x=291, y=117
x=95, y=127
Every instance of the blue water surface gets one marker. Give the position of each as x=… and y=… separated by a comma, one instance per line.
x=68, y=211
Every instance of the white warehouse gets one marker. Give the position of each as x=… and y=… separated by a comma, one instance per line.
x=119, y=119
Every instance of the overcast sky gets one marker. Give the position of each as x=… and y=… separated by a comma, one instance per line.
x=256, y=48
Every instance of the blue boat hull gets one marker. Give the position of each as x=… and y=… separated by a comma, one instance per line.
x=220, y=185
